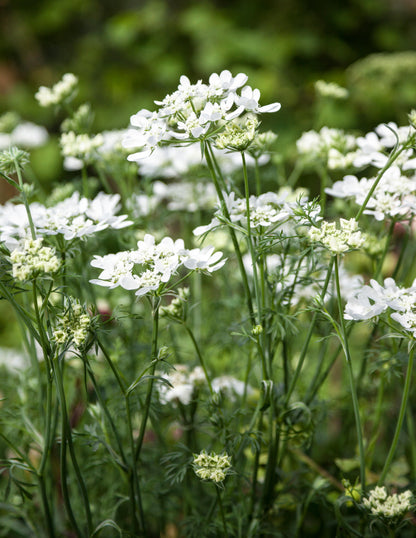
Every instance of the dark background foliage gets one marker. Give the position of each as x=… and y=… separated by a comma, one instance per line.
x=128, y=53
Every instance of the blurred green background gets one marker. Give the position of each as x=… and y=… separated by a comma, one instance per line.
x=128, y=53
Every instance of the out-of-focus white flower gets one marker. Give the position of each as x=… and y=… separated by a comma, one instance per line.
x=24, y=135
x=330, y=89
x=182, y=384
x=60, y=92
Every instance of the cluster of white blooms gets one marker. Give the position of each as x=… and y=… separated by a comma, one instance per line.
x=31, y=259
x=74, y=217
x=338, y=240
x=177, y=307
x=394, y=196
x=330, y=89
x=59, y=93
x=390, y=507
x=374, y=299
x=265, y=210
x=332, y=147
x=186, y=195
x=194, y=111
x=238, y=135
x=73, y=326
x=374, y=148
x=83, y=148
x=211, y=466
x=176, y=161
x=183, y=384
x=230, y=386
x=24, y=135
x=151, y=265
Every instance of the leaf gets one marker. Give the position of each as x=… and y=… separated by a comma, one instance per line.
x=107, y=523
x=11, y=181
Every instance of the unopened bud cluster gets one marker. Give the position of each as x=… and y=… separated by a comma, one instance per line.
x=13, y=158
x=59, y=93
x=211, y=466
x=81, y=146
x=73, y=326
x=390, y=507
x=238, y=135
x=338, y=240
x=176, y=309
x=33, y=259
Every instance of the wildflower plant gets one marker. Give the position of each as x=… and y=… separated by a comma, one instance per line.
x=185, y=322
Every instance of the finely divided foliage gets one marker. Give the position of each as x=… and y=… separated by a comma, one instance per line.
x=139, y=407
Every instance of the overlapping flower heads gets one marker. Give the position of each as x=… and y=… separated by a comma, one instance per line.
x=150, y=267
x=374, y=299
x=194, y=112
x=395, y=194
x=74, y=217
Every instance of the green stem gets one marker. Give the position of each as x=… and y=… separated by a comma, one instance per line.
x=200, y=357
x=67, y=441
x=26, y=204
x=224, y=523
x=393, y=156
x=351, y=378
x=400, y=420
x=308, y=336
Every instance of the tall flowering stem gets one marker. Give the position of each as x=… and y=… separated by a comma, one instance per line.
x=344, y=342
x=402, y=414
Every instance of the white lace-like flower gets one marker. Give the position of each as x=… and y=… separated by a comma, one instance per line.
x=193, y=112
x=61, y=91
x=374, y=299
x=338, y=240
x=74, y=217
x=183, y=384
x=388, y=507
x=151, y=265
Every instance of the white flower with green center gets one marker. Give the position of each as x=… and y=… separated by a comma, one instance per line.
x=391, y=508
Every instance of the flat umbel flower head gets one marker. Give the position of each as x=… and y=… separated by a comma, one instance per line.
x=212, y=466
x=150, y=267
x=194, y=112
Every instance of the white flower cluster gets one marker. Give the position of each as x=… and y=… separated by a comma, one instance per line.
x=81, y=147
x=73, y=326
x=31, y=259
x=332, y=147
x=24, y=135
x=238, y=135
x=151, y=265
x=374, y=299
x=338, y=240
x=390, y=507
x=330, y=89
x=74, y=217
x=60, y=92
x=194, y=111
x=177, y=307
x=394, y=196
x=230, y=386
x=78, y=149
x=211, y=466
x=184, y=383
x=265, y=210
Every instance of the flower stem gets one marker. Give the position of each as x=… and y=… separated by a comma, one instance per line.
x=353, y=390
x=400, y=420
x=224, y=523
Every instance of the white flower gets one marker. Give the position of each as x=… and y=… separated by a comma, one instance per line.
x=203, y=259
x=61, y=91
